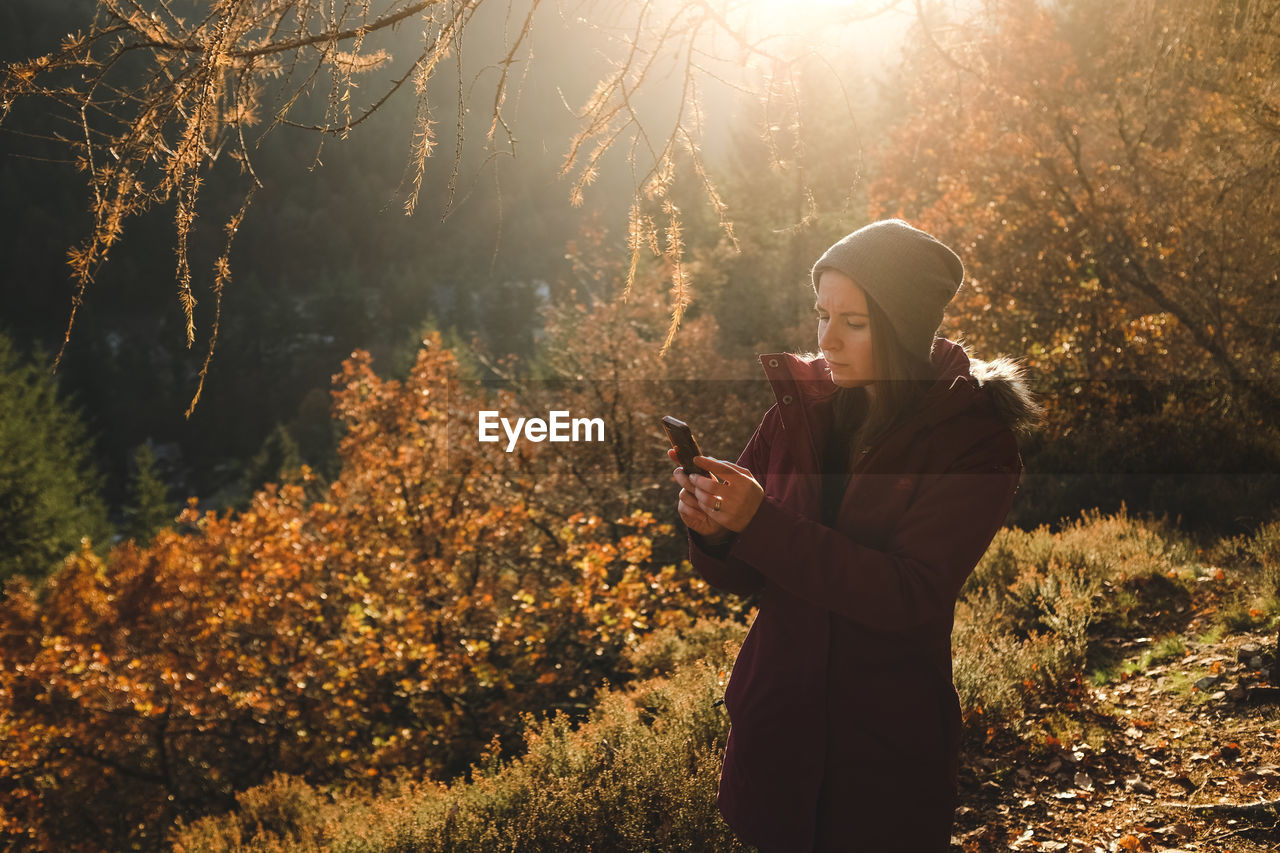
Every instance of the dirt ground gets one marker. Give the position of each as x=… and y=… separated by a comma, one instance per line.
x=1179, y=755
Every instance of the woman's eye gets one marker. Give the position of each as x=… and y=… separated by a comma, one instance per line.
x=856, y=324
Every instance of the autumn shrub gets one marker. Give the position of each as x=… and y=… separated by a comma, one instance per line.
x=1022, y=644
x=436, y=591
x=603, y=360
x=639, y=774
x=684, y=643
x=1039, y=602
x=1252, y=565
x=1259, y=550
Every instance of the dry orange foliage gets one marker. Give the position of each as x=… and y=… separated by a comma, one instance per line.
x=1108, y=174
x=427, y=600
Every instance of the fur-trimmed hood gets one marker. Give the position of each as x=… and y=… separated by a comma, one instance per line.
x=1005, y=380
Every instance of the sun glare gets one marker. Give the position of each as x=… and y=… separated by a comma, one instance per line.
x=800, y=17
x=785, y=26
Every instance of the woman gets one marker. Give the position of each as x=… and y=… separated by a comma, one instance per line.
x=863, y=501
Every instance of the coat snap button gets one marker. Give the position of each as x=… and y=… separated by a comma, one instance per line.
x=773, y=362
x=786, y=400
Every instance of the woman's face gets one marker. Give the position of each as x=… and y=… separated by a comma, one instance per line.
x=844, y=329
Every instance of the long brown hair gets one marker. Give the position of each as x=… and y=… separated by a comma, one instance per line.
x=901, y=380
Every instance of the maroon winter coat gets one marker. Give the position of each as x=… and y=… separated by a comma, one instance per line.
x=844, y=721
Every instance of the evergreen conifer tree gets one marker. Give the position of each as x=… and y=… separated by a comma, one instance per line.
x=49, y=492
x=148, y=508
x=278, y=461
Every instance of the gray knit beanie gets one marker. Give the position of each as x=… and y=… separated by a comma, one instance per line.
x=910, y=275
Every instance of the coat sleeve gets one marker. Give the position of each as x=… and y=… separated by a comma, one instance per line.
x=916, y=579
x=717, y=564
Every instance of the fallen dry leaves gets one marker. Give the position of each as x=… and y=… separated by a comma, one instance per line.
x=1149, y=762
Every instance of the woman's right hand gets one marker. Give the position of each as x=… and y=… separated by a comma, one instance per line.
x=692, y=515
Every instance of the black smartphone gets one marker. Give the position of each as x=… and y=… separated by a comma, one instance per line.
x=685, y=444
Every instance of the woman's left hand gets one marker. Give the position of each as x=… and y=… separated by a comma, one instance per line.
x=733, y=501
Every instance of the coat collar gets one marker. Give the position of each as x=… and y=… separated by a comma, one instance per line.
x=802, y=384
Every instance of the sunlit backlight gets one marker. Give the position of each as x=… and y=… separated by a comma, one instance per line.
x=867, y=29
x=801, y=18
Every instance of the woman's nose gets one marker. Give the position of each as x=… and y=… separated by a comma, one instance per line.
x=827, y=340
